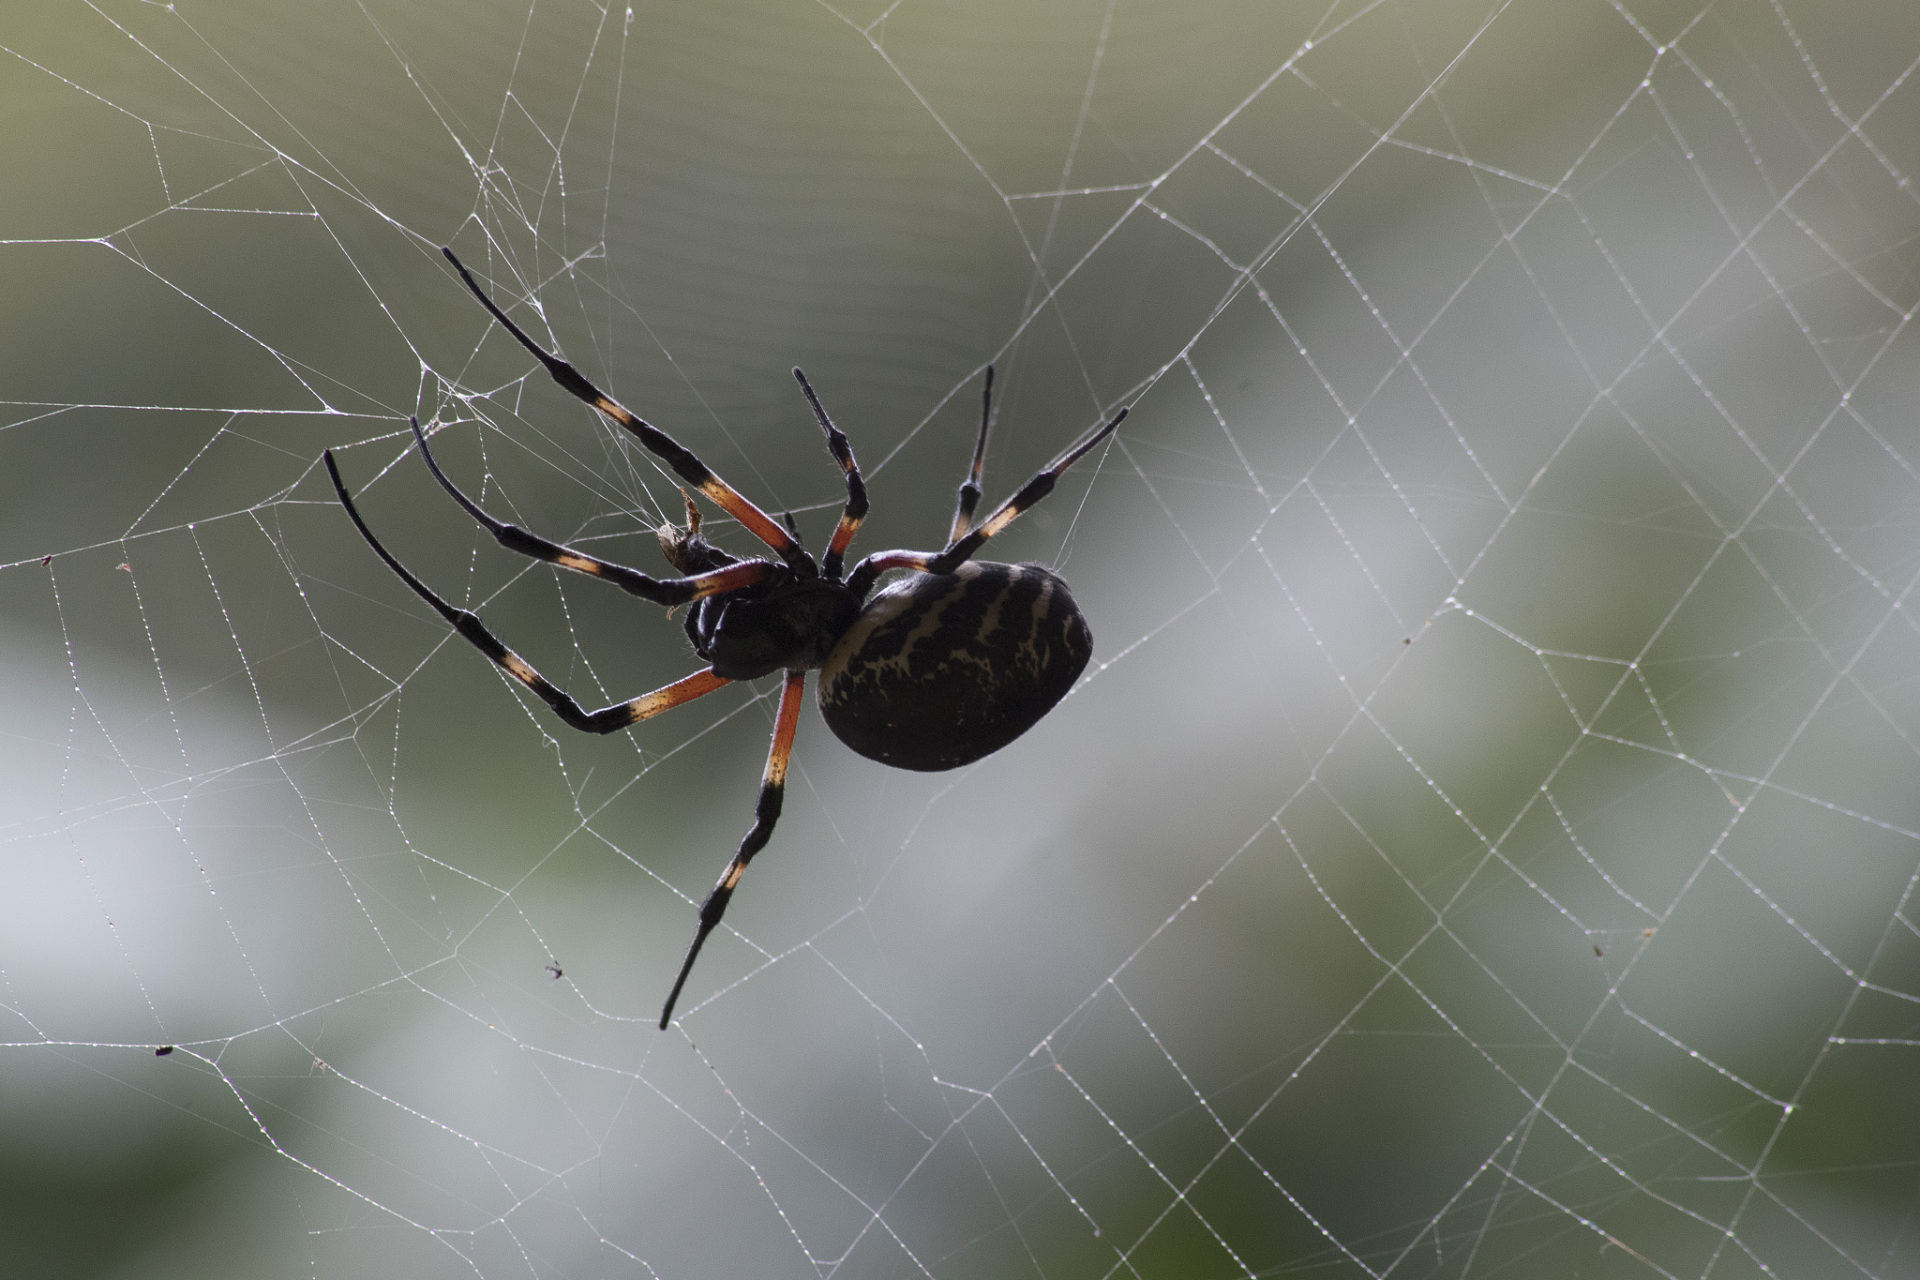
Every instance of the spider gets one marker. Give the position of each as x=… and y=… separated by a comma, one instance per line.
x=933, y=671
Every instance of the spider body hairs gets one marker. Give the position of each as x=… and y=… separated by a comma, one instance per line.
x=933, y=671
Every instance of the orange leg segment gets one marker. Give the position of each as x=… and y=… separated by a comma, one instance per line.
x=773, y=785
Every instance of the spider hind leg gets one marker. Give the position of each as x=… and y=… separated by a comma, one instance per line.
x=968, y=496
x=961, y=549
x=856, y=509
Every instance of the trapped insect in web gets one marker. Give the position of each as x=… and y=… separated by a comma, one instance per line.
x=933, y=671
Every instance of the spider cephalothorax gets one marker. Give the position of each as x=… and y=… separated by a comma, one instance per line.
x=934, y=671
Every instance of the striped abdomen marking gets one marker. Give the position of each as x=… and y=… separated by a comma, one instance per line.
x=942, y=669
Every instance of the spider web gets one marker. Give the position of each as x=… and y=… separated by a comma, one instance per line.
x=1484, y=844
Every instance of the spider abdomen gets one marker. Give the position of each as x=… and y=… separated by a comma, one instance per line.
x=941, y=669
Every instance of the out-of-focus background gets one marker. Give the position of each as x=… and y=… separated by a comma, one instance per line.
x=1484, y=844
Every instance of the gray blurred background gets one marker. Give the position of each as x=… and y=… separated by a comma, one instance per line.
x=1483, y=845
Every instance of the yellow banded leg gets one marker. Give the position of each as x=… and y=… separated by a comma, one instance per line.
x=773, y=785
x=856, y=509
x=969, y=494
x=659, y=443
x=961, y=549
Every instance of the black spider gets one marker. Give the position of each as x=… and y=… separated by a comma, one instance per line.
x=934, y=671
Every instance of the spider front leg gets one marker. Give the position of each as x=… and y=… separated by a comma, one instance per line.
x=773, y=787
x=659, y=443
x=667, y=591
x=961, y=549
x=606, y=720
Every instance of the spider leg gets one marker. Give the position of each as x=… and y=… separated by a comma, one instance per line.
x=961, y=549
x=773, y=786
x=969, y=495
x=676, y=455
x=856, y=508
x=666, y=591
x=468, y=624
